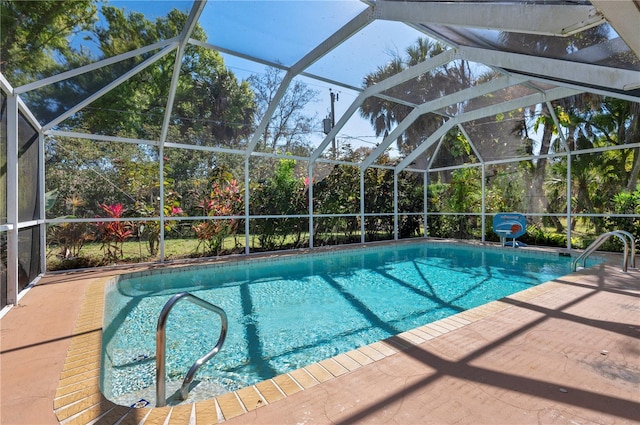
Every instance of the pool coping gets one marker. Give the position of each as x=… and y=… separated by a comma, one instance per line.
x=78, y=399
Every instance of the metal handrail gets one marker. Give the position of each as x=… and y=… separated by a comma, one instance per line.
x=599, y=241
x=632, y=246
x=161, y=345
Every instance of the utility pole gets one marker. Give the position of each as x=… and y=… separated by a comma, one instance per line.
x=330, y=122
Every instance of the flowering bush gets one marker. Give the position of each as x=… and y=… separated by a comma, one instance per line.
x=69, y=238
x=114, y=233
x=224, y=200
x=150, y=230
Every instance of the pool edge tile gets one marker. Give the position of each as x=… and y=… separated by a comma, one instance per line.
x=303, y=378
x=287, y=384
x=270, y=391
x=251, y=398
x=230, y=405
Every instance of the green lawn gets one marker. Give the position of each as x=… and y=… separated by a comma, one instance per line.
x=92, y=254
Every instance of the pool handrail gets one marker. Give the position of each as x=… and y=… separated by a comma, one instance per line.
x=632, y=247
x=622, y=235
x=161, y=345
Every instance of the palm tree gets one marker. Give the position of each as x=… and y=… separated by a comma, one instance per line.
x=384, y=114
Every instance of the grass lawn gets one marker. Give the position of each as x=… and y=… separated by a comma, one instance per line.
x=92, y=254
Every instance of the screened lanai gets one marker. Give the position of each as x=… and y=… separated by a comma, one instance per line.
x=140, y=131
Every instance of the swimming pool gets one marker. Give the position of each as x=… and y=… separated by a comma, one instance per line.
x=289, y=312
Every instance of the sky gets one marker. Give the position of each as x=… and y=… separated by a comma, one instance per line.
x=284, y=31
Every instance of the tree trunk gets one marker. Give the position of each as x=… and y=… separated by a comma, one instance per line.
x=633, y=135
x=537, y=198
x=633, y=176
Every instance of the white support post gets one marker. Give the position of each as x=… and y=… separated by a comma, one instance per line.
x=12, y=199
x=246, y=205
x=362, y=238
x=310, y=204
x=43, y=212
x=569, y=199
x=425, y=202
x=162, y=200
x=484, y=198
x=395, y=205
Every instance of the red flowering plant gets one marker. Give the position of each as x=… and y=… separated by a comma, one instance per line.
x=224, y=200
x=114, y=233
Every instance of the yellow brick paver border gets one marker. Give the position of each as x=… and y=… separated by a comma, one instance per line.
x=79, y=400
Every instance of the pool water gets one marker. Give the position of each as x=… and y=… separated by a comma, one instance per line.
x=287, y=313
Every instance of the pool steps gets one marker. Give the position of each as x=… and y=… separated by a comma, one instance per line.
x=78, y=399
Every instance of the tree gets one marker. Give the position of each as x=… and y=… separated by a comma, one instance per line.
x=384, y=114
x=288, y=129
x=281, y=194
x=34, y=33
x=598, y=179
x=222, y=113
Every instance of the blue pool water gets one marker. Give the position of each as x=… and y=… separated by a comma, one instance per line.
x=287, y=313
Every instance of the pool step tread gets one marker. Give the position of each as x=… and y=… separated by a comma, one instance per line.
x=78, y=399
x=80, y=369
x=90, y=384
x=114, y=414
x=72, y=398
x=90, y=413
x=69, y=410
x=82, y=376
x=92, y=357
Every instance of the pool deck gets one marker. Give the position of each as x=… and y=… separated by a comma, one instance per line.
x=567, y=351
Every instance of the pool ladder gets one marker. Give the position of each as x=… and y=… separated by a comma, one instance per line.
x=625, y=237
x=161, y=346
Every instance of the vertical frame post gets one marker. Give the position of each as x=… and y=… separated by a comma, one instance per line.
x=569, y=181
x=362, y=238
x=162, y=195
x=12, y=199
x=246, y=204
x=310, y=188
x=42, y=214
x=484, y=204
x=395, y=205
x=425, y=202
